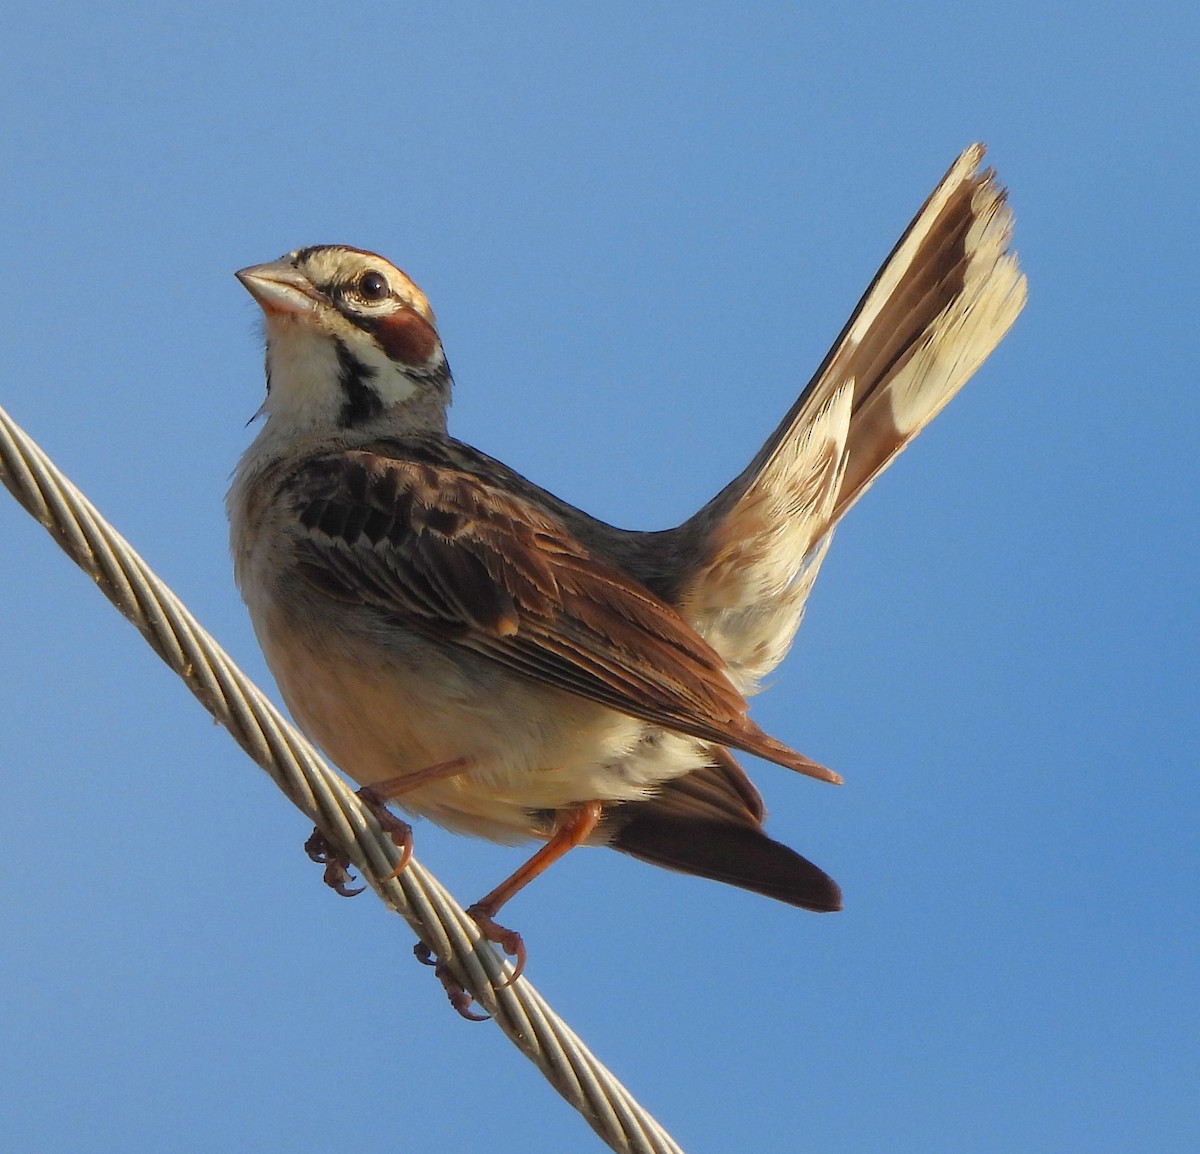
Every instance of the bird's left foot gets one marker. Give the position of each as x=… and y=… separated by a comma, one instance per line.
x=337, y=865
x=460, y=999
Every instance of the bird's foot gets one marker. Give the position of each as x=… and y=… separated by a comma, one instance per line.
x=460, y=999
x=399, y=831
x=337, y=865
x=508, y=940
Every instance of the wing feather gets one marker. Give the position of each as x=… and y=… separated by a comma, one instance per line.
x=444, y=552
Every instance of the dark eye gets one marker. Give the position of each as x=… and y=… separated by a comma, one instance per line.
x=373, y=286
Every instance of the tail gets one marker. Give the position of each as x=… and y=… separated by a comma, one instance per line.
x=709, y=823
x=940, y=304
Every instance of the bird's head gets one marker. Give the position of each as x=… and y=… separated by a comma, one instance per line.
x=350, y=340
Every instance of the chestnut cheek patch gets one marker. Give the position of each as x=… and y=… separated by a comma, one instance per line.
x=407, y=337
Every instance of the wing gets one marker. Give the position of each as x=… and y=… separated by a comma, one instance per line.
x=940, y=304
x=444, y=552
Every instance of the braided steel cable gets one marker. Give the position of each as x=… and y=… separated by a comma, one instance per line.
x=300, y=772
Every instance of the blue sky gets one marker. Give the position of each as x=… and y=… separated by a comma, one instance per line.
x=640, y=226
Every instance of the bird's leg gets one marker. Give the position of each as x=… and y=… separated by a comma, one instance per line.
x=572, y=827
x=375, y=798
x=385, y=791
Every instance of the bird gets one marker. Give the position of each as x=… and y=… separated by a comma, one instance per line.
x=476, y=651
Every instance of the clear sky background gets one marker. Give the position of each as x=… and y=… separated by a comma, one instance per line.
x=640, y=225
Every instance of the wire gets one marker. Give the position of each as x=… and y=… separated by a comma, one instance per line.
x=299, y=771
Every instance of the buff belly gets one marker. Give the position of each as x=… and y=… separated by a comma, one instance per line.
x=380, y=714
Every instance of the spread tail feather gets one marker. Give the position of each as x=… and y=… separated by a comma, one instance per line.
x=943, y=299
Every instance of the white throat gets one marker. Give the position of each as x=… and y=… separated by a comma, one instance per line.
x=308, y=378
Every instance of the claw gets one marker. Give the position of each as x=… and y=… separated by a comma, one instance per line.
x=460, y=999
x=338, y=879
x=317, y=847
x=399, y=831
x=405, y=854
x=508, y=940
x=337, y=874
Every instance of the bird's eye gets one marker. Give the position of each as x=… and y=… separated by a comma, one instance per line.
x=373, y=286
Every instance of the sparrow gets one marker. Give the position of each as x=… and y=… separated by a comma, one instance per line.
x=465, y=644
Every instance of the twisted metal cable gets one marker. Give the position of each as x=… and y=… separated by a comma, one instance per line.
x=299, y=771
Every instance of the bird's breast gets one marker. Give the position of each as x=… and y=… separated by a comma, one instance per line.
x=386, y=707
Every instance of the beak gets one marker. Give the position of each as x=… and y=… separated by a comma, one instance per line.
x=280, y=289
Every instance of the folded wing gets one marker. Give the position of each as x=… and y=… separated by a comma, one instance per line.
x=470, y=564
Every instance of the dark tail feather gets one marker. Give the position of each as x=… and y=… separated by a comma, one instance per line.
x=732, y=852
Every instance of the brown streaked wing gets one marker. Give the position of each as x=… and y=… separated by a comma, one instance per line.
x=469, y=564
